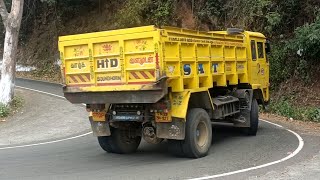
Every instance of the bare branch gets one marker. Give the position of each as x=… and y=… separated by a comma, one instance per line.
x=3, y=12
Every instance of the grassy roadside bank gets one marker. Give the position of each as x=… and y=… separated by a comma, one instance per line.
x=284, y=107
x=16, y=104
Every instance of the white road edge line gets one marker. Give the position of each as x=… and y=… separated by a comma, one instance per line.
x=272, y=123
x=49, y=142
x=299, y=148
x=41, y=92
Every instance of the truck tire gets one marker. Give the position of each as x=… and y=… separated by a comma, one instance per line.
x=198, y=136
x=254, y=119
x=119, y=142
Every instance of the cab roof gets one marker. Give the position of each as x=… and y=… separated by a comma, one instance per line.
x=250, y=33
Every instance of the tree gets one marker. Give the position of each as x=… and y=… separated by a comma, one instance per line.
x=12, y=22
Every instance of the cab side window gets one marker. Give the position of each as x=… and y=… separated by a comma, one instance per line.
x=253, y=50
x=260, y=50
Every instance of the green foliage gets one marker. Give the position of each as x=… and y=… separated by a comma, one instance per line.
x=273, y=21
x=210, y=12
x=130, y=14
x=160, y=12
x=313, y=114
x=307, y=40
x=258, y=15
x=144, y=12
x=298, y=56
x=281, y=67
x=15, y=104
x=272, y=17
x=4, y=111
x=292, y=25
x=50, y=2
x=284, y=107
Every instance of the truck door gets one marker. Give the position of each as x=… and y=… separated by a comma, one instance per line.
x=261, y=63
x=254, y=63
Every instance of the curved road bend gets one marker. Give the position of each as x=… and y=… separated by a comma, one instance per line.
x=82, y=158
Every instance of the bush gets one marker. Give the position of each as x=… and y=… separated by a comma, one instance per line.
x=313, y=114
x=285, y=108
x=297, y=57
x=4, y=111
x=281, y=68
x=15, y=104
x=145, y=12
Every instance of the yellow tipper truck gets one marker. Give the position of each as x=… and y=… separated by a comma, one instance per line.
x=166, y=84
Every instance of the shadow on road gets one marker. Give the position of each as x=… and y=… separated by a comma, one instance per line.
x=221, y=134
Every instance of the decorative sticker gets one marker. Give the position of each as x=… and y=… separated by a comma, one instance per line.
x=107, y=63
x=200, y=69
x=141, y=45
x=215, y=68
x=78, y=51
x=141, y=60
x=78, y=65
x=177, y=100
x=107, y=47
x=187, y=69
x=171, y=69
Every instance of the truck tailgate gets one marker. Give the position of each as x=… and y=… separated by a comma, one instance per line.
x=118, y=60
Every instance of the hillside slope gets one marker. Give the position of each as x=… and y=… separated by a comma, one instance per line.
x=293, y=26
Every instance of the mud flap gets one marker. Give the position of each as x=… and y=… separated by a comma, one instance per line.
x=100, y=128
x=171, y=130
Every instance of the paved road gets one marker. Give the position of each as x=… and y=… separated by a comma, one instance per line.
x=82, y=158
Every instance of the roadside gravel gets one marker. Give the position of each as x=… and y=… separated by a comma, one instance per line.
x=308, y=168
x=43, y=118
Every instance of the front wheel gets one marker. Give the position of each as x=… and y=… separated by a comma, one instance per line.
x=254, y=119
x=119, y=142
x=198, y=136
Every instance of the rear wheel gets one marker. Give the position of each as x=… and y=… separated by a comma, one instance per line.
x=198, y=136
x=254, y=119
x=119, y=142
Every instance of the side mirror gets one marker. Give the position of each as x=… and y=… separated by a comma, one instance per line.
x=268, y=47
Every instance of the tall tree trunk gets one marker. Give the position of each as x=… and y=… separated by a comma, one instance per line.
x=12, y=23
x=8, y=65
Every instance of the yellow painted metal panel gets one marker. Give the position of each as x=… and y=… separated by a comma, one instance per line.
x=136, y=58
x=179, y=103
x=77, y=66
x=106, y=48
x=107, y=33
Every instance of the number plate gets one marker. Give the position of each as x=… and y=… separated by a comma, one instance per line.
x=163, y=117
x=98, y=116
